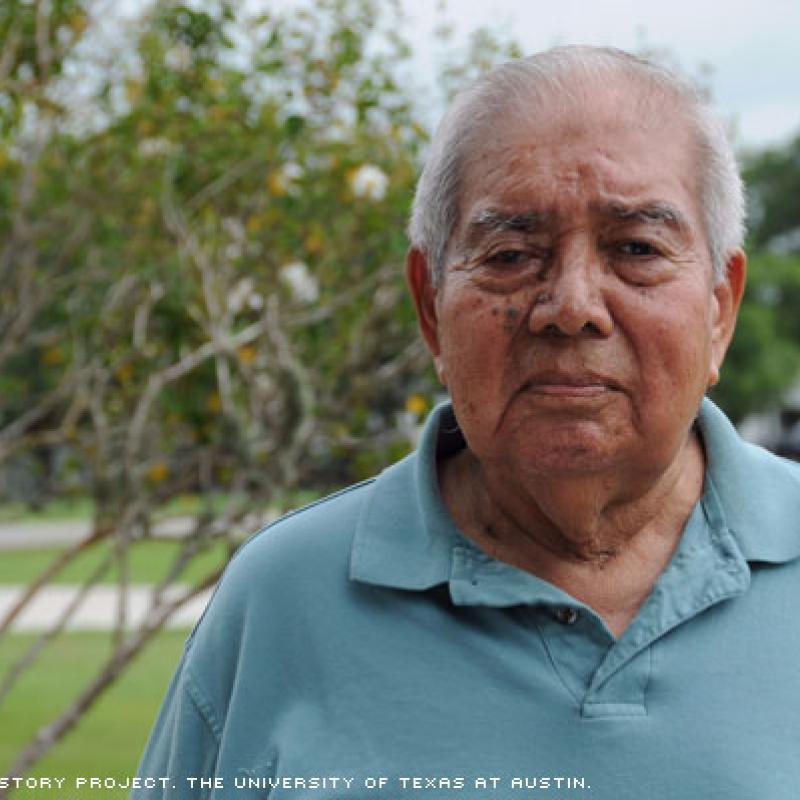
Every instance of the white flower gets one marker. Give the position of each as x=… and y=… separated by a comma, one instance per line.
x=155, y=146
x=233, y=251
x=369, y=181
x=179, y=57
x=292, y=171
x=285, y=179
x=255, y=301
x=238, y=296
x=234, y=228
x=302, y=283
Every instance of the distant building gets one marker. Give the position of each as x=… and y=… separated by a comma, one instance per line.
x=778, y=429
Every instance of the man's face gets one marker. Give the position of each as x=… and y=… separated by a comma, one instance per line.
x=577, y=326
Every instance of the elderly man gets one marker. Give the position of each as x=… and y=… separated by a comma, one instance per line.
x=583, y=582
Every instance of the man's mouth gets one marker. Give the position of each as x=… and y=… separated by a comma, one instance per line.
x=570, y=384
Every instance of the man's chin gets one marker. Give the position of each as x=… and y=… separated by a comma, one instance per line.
x=579, y=452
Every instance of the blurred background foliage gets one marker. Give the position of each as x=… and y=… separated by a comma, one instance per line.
x=230, y=191
x=764, y=359
x=202, y=216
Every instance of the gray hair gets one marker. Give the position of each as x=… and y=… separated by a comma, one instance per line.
x=546, y=77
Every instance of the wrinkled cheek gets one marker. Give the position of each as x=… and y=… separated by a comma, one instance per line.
x=478, y=334
x=680, y=384
x=473, y=359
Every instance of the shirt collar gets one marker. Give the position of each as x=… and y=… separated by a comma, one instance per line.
x=405, y=538
x=758, y=494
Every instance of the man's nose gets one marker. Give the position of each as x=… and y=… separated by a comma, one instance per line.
x=571, y=300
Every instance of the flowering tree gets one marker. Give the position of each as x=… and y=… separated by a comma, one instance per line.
x=202, y=262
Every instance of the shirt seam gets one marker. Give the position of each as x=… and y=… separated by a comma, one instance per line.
x=203, y=704
x=294, y=512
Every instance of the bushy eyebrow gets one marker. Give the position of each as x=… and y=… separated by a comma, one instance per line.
x=648, y=213
x=492, y=221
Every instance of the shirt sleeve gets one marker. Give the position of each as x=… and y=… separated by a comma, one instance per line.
x=183, y=744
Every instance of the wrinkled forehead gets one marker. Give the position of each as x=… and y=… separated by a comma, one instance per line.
x=619, y=139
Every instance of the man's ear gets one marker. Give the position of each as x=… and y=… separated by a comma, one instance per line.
x=420, y=282
x=728, y=295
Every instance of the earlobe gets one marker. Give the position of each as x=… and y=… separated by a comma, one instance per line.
x=418, y=276
x=727, y=299
x=440, y=371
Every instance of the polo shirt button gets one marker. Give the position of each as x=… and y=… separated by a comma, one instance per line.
x=566, y=615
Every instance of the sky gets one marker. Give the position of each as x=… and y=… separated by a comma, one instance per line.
x=751, y=46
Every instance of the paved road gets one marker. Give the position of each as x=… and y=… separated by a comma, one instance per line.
x=97, y=611
x=17, y=535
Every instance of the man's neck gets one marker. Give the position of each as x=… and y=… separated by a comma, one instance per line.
x=593, y=537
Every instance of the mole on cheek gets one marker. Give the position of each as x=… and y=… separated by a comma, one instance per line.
x=495, y=311
x=512, y=312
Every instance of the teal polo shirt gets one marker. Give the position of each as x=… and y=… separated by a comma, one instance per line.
x=364, y=648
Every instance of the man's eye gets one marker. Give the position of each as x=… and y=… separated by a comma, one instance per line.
x=638, y=249
x=508, y=258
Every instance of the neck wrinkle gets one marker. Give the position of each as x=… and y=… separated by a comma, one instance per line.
x=604, y=551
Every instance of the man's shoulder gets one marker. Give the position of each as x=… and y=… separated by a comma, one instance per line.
x=282, y=569
x=748, y=470
x=319, y=523
x=760, y=494
x=769, y=473
x=307, y=541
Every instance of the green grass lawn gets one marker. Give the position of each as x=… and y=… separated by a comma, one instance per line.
x=110, y=739
x=82, y=507
x=148, y=563
x=60, y=508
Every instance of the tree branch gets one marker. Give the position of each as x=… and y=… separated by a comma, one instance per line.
x=49, y=735
x=30, y=655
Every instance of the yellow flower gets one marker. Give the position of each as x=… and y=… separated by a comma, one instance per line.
x=78, y=22
x=247, y=354
x=52, y=357
x=125, y=373
x=314, y=243
x=158, y=472
x=219, y=113
x=214, y=403
x=276, y=184
x=134, y=90
x=416, y=404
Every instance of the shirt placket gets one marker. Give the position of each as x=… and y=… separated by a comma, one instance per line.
x=607, y=677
